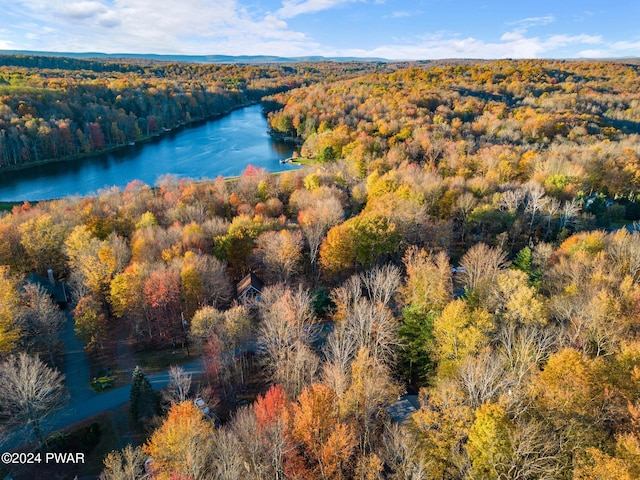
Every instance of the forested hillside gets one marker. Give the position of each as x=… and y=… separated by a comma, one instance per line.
x=468, y=232
x=53, y=108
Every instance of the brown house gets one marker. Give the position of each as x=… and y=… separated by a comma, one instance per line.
x=249, y=288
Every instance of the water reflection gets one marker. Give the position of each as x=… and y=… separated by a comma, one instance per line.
x=204, y=150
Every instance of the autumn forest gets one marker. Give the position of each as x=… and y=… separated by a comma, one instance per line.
x=448, y=288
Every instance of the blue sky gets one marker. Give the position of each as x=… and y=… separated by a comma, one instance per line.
x=394, y=29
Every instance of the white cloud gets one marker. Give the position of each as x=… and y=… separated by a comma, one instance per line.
x=557, y=41
x=511, y=36
x=511, y=45
x=581, y=17
x=400, y=14
x=594, y=53
x=162, y=26
x=293, y=8
x=625, y=45
x=517, y=35
x=612, y=50
x=529, y=22
x=108, y=20
x=275, y=21
x=81, y=10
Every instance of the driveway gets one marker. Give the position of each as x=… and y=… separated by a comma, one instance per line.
x=76, y=363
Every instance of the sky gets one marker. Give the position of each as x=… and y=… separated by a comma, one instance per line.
x=392, y=29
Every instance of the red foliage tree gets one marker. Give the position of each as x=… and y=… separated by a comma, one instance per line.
x=269, y=408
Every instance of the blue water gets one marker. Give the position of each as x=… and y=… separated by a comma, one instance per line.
x=224, y=146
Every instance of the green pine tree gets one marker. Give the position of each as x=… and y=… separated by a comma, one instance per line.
x=144, y=401
x=524, y=263
x=416, y=334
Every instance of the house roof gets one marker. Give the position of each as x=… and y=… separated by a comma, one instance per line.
x=401, y=410
x=58, y=291
x=248, y=283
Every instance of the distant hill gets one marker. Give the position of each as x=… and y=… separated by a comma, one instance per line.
x=193, y=58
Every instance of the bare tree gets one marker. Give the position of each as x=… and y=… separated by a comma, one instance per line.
x=247, y=450
x=483, y=378
x=41, y=318
x=568, y=213
x=522, y=349
x=292, y=306
x=78, y=287
x=346, y=295
x=216, y=288
x=280, y=254
x=215, y=226
x=340, y=348
x=286, y=332
x=482, y=264
x=542, y=252
x=373, y=328
x=537, y=452
x=127, y=464
x=400, y=454
x=316, y=221
x=228, y=462
x=30, y=391
x=120, y=251
x=525, y=347
x=512, y=199
x=465, y=204
x=179, y=385
x=551, y=208
x=623, y=249
x=339, y=351
x=382, y=283
x=536, y=200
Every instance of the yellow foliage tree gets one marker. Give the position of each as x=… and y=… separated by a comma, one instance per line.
x=514, y=301
x=178, y=445
x=459, y=331
x=596, y=465
x=9, y=305
x=429, y=282
x=441, y=426
x=488, y=445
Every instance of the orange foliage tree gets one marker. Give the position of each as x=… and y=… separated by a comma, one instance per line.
x=180, y=445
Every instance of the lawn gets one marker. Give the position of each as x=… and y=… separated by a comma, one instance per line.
x=158, y=360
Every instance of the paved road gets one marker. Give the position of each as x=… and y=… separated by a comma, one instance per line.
x=81, y=407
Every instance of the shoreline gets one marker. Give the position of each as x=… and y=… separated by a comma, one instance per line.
x=7, y=205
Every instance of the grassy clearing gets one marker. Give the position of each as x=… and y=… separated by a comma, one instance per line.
x=617, y=224
x=8, y=206
x=152, y=360
x=304, y=161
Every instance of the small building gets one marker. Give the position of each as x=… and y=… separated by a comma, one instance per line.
x=249, y=288
x=206, y=411
x=148, y=468
x=202, y=406
x=401, y=410
x=58, y=291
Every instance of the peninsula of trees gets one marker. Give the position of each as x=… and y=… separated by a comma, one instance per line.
x=466, y=230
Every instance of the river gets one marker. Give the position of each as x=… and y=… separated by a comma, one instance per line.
x=224, y=146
